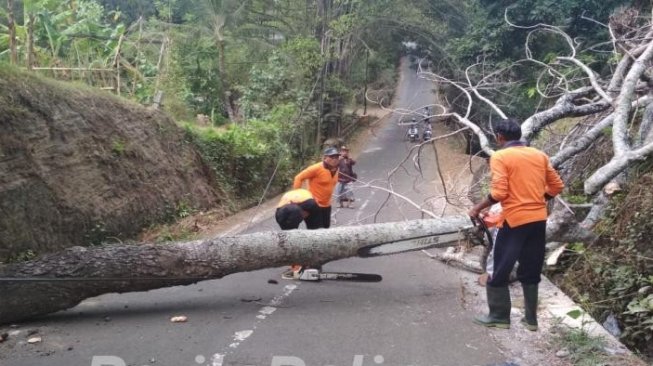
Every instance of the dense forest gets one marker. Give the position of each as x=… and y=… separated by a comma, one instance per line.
x=259, y=85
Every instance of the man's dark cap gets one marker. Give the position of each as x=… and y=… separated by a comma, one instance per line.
x=289, y=216
x=331, y=151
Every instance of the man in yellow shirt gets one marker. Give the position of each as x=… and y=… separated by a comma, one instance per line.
x=322, y=178
x=296, y=206
x=522, y=180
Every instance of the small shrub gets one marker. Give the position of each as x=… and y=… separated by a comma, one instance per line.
x=23, y=256
x=118, y=147
x=584, y=350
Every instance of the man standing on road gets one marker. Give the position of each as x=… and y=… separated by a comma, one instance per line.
x=322, y=178
x=346, y=176
x=522, y=179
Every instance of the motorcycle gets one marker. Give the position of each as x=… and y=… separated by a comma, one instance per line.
x=412, y=133
x=428, y=134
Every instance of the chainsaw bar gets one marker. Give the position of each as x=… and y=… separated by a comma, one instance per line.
x=315, y=275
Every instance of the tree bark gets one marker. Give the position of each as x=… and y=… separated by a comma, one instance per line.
x=226, y=93
x=62, y=280
x=30, y=40
x=11, y=26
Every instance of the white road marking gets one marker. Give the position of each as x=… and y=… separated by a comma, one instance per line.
x=217, y=359
x=267, y=310
x=240, y=336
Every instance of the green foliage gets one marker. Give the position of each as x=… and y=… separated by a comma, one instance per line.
x=183, y=210
x=284, y=79
x=23, y=256
x=304, y=54
x=176, y=211
x=621, y=273
x=576, y=198
x=577, y=247
x=247, y=156
x=531, y=92
x=488, y=39
x=626, y=292
x=575, y=314
x=615, y=275
x=168, y=235
x=344, y=24
x=118, y=147
x=639, y=318
x=584, y=349
x=97, y=234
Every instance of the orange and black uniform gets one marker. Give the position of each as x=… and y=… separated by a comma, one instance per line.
x=303, y=199
x=522, y=180
x=321, y=182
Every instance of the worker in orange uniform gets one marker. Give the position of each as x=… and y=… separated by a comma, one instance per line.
x=322, y=178
x=522, y=180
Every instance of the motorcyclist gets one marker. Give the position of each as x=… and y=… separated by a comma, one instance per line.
x=413, y=133
x=428, y=130
x=427, y=113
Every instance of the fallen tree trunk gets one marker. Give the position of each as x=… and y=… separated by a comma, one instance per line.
x=62, y=280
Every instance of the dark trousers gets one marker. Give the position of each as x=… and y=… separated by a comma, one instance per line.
x=320, y=220
x=524, y=243
x=314, y=221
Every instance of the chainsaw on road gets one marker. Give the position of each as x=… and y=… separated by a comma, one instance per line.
x=314, y=274
x=479, y=236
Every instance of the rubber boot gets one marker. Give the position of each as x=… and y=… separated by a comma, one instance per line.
x=498, y=300
x=530, y=307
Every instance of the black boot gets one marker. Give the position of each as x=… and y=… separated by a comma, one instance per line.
x=498, y=299
x=530, y=307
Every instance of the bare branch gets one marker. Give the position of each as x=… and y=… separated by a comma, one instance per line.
x=624, y=100
x=591, y=75
x=479, y=96
x=564, y=107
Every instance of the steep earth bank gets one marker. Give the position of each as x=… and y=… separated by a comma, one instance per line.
x=79, y=166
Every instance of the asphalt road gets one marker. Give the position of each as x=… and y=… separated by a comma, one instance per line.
x=415, y=316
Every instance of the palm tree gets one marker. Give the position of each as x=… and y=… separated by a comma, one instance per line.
x=219, y=14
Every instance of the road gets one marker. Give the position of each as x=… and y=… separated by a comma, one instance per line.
x=415, y=316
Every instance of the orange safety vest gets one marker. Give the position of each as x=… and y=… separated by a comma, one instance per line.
x=320, y=183
x=521, y=176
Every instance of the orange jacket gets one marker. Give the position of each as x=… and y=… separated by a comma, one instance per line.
x=521, y=176
x=320, y=183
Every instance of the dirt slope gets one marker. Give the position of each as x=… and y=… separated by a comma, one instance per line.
x=80, y=166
